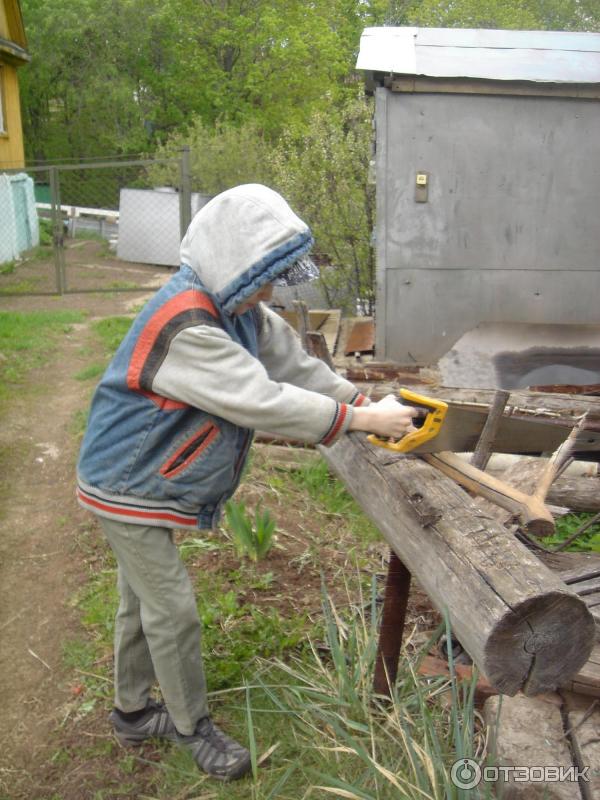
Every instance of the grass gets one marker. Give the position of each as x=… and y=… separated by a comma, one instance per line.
x=26, y=341
x=111, y=331
x=123, y=285
x=20, y=287
x=332, y=496
x=326, y=734
x=91, y=372
x=296, y=689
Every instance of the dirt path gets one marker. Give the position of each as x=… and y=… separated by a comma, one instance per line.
x=40, y=565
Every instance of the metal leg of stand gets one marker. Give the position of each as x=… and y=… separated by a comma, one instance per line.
x=392, y=625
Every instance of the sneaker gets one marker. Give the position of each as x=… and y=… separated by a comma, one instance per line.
x=215, y=753
x=155, y=724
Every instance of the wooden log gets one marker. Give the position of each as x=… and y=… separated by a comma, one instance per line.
x=578, y=494
x=284, y=456
x=523, y=628
x=500, y=462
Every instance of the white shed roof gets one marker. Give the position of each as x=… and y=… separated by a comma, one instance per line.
x=541, y=56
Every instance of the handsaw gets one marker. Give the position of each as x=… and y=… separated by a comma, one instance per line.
x=456, y=428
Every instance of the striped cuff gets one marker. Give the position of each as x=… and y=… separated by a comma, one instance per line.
x=359, y=399
x=339, y=424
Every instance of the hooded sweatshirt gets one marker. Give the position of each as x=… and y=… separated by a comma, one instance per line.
x=172, y=419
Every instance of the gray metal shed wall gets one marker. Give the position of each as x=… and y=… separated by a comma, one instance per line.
x=511, y=229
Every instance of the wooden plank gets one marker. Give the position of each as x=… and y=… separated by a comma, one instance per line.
x=527, y=732
x=330, y=328
x=520, y=624
x=590, y=600
x=594, y=658
x=583, y=732
x=361, y=338
x=285, y=456
x=325, y=321
x=589, y=586
x=590, y=568
x=587, y=388
x=437, y=667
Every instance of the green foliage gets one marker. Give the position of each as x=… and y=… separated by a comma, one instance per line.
x=252, y=538
x=575, y=15
x=7, y=268
x=222, y=155
x=324, y=173
x=565, y=528
x=46, y=232
x=345, y=741
x=101, y=83
x=235, y=634
x=322, y=169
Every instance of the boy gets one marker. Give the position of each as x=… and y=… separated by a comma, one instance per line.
x=203, y=365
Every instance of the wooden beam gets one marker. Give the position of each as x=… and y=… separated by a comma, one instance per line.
x=482, y=452
x=523, y=628
x=529, y=509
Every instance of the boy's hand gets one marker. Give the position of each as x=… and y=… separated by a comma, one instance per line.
x=388, y=417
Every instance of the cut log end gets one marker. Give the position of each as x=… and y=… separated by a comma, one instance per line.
x=521, y=652
x=542, y=528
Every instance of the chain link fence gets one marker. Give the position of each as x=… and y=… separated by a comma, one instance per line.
x=93, y=227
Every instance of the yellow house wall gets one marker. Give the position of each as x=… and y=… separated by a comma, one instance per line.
x=11, y=143
x=4, y=32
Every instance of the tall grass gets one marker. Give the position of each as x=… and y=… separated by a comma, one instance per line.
x=354, y=744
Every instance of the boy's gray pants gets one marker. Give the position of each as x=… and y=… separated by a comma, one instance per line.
x=157, y=630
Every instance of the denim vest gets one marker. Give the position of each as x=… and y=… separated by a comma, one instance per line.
x=149, y=460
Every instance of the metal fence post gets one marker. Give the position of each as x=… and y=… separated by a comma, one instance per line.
x=185, y=191
x=57, y=230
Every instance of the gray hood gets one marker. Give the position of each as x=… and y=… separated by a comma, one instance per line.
x=241, y=240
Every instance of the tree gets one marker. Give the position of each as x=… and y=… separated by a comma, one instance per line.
x=324, y=173
x=123, y=75
x=574, y=15
x=322, y=170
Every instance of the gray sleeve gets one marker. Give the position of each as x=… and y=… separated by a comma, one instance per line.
x=281, y=352
x=205, y=368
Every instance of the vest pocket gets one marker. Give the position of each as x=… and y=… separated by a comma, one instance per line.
x=190, y=450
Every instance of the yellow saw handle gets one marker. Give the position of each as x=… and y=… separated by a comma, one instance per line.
x=436, y=413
